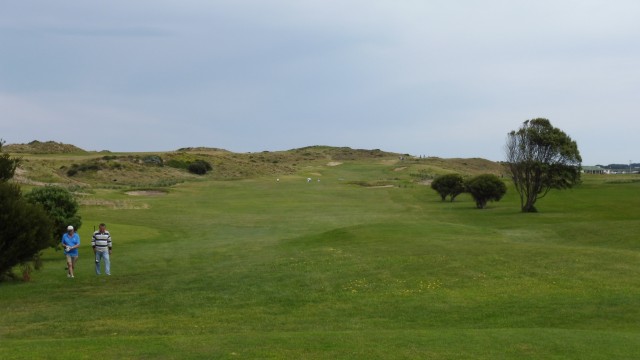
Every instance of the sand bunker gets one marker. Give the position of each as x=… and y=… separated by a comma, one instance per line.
x=120, y=205
x=146, y=193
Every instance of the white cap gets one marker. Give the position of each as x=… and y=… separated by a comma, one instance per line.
x=69, y=227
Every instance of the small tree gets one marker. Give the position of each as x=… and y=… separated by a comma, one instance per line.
x=541, y=157
x=450, y=185
x=485, y=188
x=25, y=230
x=61, y=206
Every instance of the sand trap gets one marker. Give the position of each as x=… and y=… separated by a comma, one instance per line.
x=146, y=193
x=334, y=163
x=120, y=205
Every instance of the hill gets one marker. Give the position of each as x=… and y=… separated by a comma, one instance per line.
x=51, y=162
x=48, y=147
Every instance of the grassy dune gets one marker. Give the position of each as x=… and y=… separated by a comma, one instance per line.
x=259, y=268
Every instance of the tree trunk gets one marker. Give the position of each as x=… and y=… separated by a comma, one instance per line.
x=529, y=208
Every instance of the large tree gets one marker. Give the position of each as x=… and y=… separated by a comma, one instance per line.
x=541, y=157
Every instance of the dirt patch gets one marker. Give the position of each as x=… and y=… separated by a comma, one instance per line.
x=146, y=193
x=334, y=163
x=119, y=205
x=400, y=168
x=20, y=176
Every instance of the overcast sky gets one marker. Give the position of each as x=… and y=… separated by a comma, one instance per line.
x=438, y=78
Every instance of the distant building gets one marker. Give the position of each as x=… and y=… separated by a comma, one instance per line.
x=594, y=170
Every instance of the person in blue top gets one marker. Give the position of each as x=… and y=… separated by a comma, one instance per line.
x=71, y=242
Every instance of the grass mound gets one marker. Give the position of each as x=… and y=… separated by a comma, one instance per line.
x=66, y=165
x=47, y=147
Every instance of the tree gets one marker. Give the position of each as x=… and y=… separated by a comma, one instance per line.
x=25, y=229
x=61, y=206
x=8, y=165
x=450, y=185
x=485, y=188
x=541, y=157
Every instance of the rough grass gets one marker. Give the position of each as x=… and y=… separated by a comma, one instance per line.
x=259, y=268
x=120, y=170
x=47, y=147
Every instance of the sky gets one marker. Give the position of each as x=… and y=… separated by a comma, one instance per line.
x=439, y=78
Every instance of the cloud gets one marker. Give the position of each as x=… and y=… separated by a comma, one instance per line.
x=444, y=78
x=75, y=120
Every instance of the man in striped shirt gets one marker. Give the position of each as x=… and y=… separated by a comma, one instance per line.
x=101, y=243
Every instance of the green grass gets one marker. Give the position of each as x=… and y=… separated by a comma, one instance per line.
x=264, y=269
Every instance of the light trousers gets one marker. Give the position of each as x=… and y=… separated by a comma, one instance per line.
x=103, y=255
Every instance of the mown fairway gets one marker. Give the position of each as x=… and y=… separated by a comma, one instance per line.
x=329, y=269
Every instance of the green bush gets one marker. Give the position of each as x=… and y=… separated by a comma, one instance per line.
x=25, y=230
x=61, y=206
x=450, y=185
x=8, y=164
x=199, y=167
x=485, y=188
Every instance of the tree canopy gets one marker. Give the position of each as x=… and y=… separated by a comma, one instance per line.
x=8, y=164
x=25, y=228
x=485, y=188
x=539, y=158
x=450, y=185
x=61, y=206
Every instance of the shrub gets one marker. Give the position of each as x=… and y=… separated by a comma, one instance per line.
x=25, y=229
x=92, y=165
x=450, y=185
x=8, y=164
x=199, y=167
x=61, y=206
x=485, y=188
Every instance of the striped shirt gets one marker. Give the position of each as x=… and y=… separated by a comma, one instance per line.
x=101, y=241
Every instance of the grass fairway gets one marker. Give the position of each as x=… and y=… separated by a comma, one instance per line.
x=330, y=269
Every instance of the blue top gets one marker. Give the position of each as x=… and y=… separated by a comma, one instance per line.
x=71, y=241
